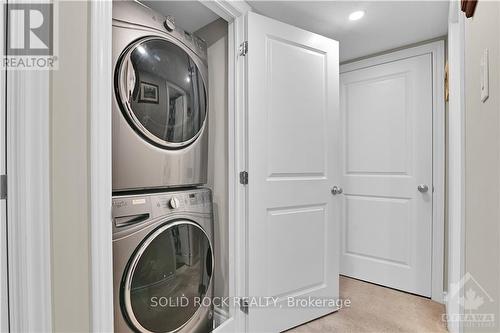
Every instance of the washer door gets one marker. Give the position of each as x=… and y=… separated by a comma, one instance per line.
x=162, y=92
x=167, y=277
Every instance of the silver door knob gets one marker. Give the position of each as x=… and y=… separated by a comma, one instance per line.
x=337, y=190
x=423, y=188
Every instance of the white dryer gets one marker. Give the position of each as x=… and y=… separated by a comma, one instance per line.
x=160, y=102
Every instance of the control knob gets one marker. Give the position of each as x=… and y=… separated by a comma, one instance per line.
x=174, y=203
x=169, y=23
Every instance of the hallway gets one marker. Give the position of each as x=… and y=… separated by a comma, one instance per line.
x=379, y=309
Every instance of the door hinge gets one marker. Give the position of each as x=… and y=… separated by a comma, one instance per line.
x=244, y=305
x=244, y=177
x=3, y=187
x=243, y=49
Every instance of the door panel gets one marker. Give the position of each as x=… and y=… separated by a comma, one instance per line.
x=387, y=144
x=302, y=256
x=365, y=238
x=297, y=102
x=292, y=217
x=377, y=130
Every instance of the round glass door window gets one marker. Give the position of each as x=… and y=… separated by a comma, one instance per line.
x=168, y=277
x=162, y=92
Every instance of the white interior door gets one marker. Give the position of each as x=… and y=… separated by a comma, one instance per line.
x=386, y=115
x=292, y=163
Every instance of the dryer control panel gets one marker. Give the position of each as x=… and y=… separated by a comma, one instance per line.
x=133, y=12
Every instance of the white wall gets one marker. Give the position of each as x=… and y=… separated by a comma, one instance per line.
x=69, y=172
x=215, y=34
x=217, y=160
x=482, y=164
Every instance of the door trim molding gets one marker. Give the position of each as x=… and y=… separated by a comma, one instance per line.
x=101, y=255
x=4, y=302
x=29, y=200
x=235, y=13
x=100, y=163
x=436, y=50
x=456, y=163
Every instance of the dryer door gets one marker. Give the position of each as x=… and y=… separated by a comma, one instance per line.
x=168, y=276
x=161, y=90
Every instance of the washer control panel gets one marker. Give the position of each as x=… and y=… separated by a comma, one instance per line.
x=178, y=201
x=134, y=209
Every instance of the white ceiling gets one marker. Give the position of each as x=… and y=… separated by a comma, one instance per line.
x=386, y=24
x=189, y=15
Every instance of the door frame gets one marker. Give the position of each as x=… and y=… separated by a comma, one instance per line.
x=27, y=107
x=101, y=235
x=234, y=12
x=100, y=160
x=436, y=50
x=456, y=163
x=4, y=302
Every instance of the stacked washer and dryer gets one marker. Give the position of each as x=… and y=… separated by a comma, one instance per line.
x=162, y=219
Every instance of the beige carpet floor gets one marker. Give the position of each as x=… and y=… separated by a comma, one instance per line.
x=377, y=309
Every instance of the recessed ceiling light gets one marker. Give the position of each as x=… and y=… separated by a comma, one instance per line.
x=354, y=16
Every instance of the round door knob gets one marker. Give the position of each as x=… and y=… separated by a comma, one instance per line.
x=337, y=190
x=174, y=203
x=423, y=188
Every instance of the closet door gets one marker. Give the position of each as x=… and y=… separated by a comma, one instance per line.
x=386, y=112
x=293, y=218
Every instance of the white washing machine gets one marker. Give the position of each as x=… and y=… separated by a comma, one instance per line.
x=163, y=262
x=160, y=101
